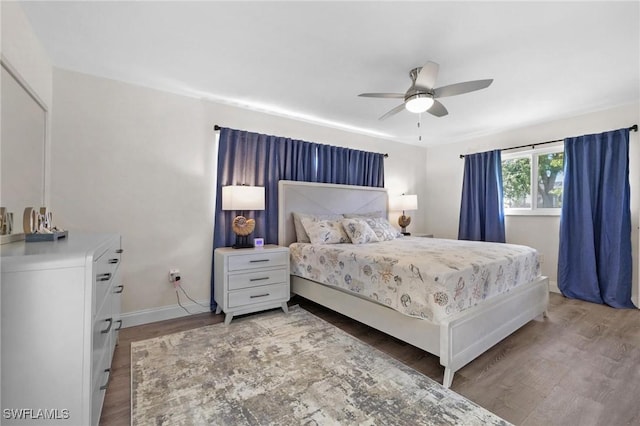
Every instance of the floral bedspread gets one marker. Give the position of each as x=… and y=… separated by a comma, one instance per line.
x=422, y=277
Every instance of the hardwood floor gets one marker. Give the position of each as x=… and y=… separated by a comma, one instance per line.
x=580, y=366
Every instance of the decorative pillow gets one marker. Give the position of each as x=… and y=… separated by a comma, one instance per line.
x=325, y=231
x=382, y=228
x=301, y=233
x=359, y=231
x=363, y=215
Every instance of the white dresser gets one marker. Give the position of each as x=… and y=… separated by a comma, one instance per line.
x=60, y=319
x=251, y=280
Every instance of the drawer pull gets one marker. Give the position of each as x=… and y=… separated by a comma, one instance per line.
x=119, y=251
x=258, y=260
x=119, y=325
x=104, y=277
x=119, y=289
x=258, y=279
x=104, y=387
x=259, y=295
x=110, y=321
x=112, y=261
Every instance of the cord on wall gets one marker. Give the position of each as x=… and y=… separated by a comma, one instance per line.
x=177, y=285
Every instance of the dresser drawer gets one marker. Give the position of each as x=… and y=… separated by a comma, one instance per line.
x=266, y=259
x=102, y=330
x=102, y=373
x=106, y=267
x=258, y=278
x=265, y=293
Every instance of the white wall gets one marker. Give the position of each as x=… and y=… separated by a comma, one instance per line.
x=445, y=172
x=141, y=162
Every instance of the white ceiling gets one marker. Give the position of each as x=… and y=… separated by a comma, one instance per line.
x=310, y=60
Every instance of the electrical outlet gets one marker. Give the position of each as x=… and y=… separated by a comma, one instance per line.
x=174, y=275
x=541, y=258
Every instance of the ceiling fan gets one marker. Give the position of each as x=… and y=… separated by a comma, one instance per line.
x=422, y=96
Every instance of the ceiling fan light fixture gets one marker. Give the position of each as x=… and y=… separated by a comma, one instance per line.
x=419, y=103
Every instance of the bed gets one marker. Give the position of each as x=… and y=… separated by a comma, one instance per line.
x=457, y=336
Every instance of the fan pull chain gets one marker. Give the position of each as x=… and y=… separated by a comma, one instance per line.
x=419, y=132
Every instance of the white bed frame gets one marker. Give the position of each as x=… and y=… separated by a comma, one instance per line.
x=457, y=340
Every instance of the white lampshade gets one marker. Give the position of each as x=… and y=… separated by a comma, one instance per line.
x=419, y=103
x=240, y=197
x=404, y=202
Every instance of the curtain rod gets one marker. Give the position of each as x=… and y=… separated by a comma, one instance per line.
x=633, y=128
x=217, y=128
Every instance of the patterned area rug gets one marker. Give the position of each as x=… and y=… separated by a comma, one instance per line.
x=279, y=369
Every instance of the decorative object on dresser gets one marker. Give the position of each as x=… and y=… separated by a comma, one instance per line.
x=404, y=202
x=38, y=226
x=284, y=369
x=60, y=321
x=242, y=198
x=6, y=221
x=251, y=280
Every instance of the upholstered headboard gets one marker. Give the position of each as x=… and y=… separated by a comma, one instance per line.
x=323, y=198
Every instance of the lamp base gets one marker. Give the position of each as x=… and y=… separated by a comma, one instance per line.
x=404, y=221
x=242, y=241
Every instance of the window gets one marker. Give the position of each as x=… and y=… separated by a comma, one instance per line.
x=544, y=167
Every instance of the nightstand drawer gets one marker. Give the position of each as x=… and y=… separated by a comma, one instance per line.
x=266, y=293
x=260, y=278
x=254, y=260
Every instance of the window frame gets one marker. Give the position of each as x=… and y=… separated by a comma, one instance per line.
x=532, y=154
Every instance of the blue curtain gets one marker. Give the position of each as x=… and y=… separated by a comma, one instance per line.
x=595, y=262
x=349, y=166
x=481, y=209
x=262, y=160
x=365, y=168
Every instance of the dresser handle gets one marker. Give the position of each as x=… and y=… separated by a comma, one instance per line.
x=258, y=260
x=119, y=325
x=112, y=261
x=108, y=371
x=119, y=250
x=104, y=277
x=259, y=279
x=119, y=289
x=110, y=320
x=258, y=295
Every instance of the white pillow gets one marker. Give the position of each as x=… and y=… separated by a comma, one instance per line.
x=301, y=233
x=325, y=231
x=359, y=231
x=382, y=228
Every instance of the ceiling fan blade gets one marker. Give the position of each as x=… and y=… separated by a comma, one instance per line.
x=392, y=112
x=383, y=95
x=426, y=78
x=437, y=109
x=460, y=88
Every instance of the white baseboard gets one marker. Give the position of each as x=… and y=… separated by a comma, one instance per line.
x=146, y=316
x=553, y=287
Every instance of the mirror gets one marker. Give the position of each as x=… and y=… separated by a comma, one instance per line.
x=22, y=149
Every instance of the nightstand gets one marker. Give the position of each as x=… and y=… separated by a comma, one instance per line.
x=422, y=235
x=250, y=280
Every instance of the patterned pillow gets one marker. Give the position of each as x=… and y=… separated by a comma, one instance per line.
x=382, y=228
x=325, y=231
x=301, y=234
x=359, y=231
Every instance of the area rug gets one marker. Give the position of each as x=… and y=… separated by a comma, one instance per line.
x=284, y=369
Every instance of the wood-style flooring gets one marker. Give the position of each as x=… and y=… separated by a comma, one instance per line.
x=579, y=366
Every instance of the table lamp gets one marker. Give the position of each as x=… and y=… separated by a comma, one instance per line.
x=242, y=198
x=404, y=202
